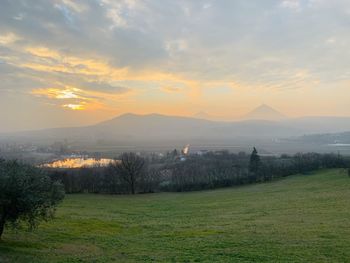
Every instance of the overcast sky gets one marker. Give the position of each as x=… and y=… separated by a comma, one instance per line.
x=65, y=62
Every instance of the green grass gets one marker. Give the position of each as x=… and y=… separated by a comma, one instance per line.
x=297, y=219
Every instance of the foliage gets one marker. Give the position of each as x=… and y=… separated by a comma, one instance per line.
x=26, y=193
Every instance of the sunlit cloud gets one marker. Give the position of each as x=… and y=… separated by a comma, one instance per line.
x=95, y=71
x=8, y=38
x=74, y=106
x=79, y=99
x=97, y=67
x=70, y=64
x=67, y=93
x=43, y=52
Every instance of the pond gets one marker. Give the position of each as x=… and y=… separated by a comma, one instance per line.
x=78, y=163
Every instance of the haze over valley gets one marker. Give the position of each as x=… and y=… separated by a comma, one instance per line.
x=264, y=127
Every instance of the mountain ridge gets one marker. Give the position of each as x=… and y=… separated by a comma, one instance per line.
x=132, y=127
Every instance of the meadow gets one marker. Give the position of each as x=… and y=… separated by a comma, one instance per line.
x=301, y=218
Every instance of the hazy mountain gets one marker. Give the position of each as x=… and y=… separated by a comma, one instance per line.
x=132, y=129
x=153, y=127
x=156, y=126
x=264, y=112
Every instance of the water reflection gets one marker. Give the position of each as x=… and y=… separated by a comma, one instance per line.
x=78, y=163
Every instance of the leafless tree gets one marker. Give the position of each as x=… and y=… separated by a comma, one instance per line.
x=131, y=169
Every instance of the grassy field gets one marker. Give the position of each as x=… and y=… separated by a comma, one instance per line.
x=297, y=219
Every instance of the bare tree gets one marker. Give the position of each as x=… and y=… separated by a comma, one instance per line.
x=130, y=168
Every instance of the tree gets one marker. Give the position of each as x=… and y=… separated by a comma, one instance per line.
x=27, y=194
x=255, y=162
x=173, y=154
x=131, y=169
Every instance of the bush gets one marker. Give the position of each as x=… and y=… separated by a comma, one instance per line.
x=26, y=194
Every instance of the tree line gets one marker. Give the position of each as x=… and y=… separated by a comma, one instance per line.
x=131, y=173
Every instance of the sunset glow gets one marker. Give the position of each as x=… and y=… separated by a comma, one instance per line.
x=106, y=58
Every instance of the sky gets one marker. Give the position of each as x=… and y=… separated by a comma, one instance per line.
x=72, y=63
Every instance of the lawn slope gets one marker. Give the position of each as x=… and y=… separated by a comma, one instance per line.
x=302, y=218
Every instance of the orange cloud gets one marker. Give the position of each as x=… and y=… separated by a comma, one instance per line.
x=79, y=99
x=74, y=106
x=201, y=93
x=54, y=61
x=99, y=70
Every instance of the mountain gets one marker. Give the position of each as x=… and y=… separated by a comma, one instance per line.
x=264, y=112
x=131, y=131
x=162, y=127
x=156, y=127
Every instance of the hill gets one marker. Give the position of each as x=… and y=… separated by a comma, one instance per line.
x=265, y=112
x=302, y=218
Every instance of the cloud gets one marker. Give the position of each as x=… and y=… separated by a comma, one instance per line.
x=50, y=60
x=57, y=93
x=8, y=38
x=98, y=53
x=119, y=11
x=78, y=98
x=74, y=106
x=291, y=4
x=176, y=46
x=103, y=86
x=76, y=6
